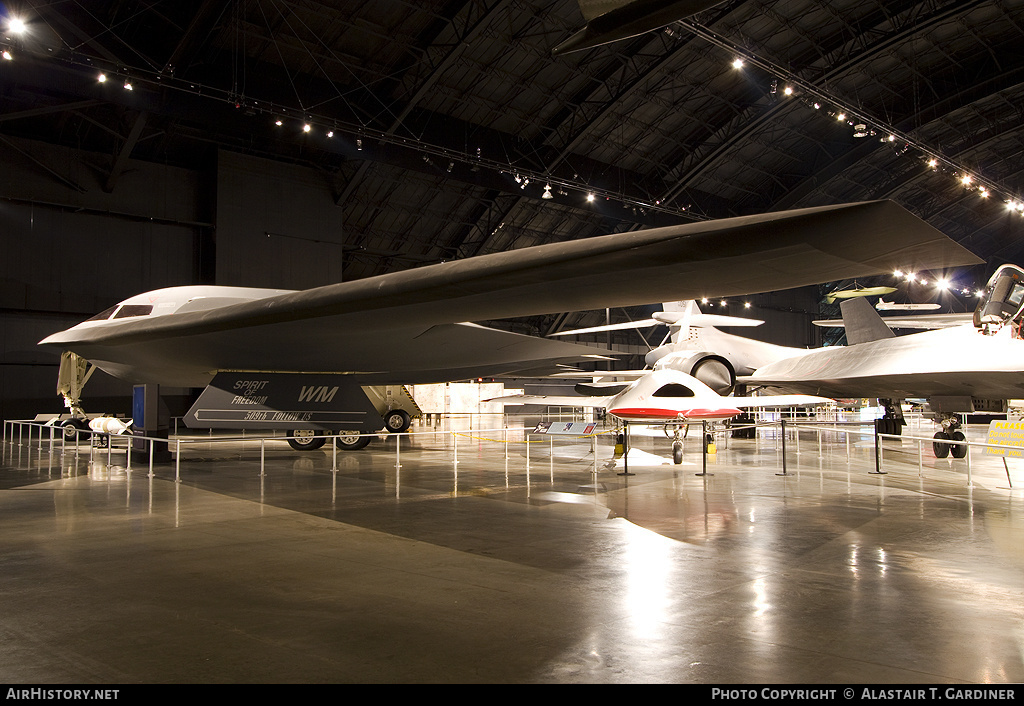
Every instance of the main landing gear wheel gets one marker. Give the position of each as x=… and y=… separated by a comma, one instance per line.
x=306, y=439
x=397, y=420
x=957, y=450
x=939, y=446
x=75, y=429
x=351, y=441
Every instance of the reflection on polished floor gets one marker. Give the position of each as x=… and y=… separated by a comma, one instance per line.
x=464, y=562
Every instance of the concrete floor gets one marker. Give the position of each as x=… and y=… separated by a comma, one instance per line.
x=489, y=570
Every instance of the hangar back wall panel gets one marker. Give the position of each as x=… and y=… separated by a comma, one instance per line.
x=277, y=225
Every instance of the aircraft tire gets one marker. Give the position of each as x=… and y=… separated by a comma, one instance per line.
x=351, y=441
x=677, y=453
x=306, y=440
x=939, y=446
x=75, y=428
x=956, y=450
x=397, y=420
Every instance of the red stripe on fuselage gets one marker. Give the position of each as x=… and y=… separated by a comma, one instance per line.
x=652, y=413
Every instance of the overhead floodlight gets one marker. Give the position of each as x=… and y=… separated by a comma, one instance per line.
x=102, y=78
x=933, y=162
x=966, y=179
x=590, y=197
x=861, y=130
x=330, y=133
x=788, y=90
x=7, y=55
x=279, y=122
x=17, y=25
x=547, y=192
x=737, y=63
x=127, y=85
x=841, y=117
x=306, y=127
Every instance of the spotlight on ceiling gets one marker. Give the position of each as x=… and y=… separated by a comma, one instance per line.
x=590, y=197
x=861, y=130
x=737, y=63
x=7, y=55
x=17, y=25
x=547, y=192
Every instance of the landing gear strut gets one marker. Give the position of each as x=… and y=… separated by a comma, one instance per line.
x=892, y=421
x=678, y=434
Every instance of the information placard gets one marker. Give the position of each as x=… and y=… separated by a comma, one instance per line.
x=1007, y=434
x=572, y=428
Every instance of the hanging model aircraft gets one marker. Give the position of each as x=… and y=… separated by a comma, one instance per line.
x=411, y=326
x=612, y=20
x=883, y=305
x=961, y=369
x=663, y=396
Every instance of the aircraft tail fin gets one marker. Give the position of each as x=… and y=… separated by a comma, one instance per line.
x=862, y=322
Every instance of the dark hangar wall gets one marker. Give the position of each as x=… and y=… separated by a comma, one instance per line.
x=74, y=241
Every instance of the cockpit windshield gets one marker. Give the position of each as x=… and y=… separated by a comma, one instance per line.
x=1003, y=299
x=103, y=315
x=129, y=310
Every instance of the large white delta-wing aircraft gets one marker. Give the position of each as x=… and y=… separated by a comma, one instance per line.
x=663, y=396
x=696, y=347
x=275, y=359
x=959, y=369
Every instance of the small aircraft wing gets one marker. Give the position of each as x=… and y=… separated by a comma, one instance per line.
x=911, y=321
x=554, y=400
x=778, y=401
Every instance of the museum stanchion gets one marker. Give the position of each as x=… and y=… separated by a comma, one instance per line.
x=782, y=424
x=704, y=449
x=878, y=455
x=625, y=450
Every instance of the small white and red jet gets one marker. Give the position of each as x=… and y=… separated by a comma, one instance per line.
x=664, y=396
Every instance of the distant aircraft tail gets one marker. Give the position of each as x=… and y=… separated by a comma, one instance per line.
x=862, y=322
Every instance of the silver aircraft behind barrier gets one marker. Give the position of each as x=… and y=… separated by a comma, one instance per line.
x=962, y=369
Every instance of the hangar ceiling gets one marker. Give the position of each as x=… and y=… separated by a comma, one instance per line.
x=440, y=123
